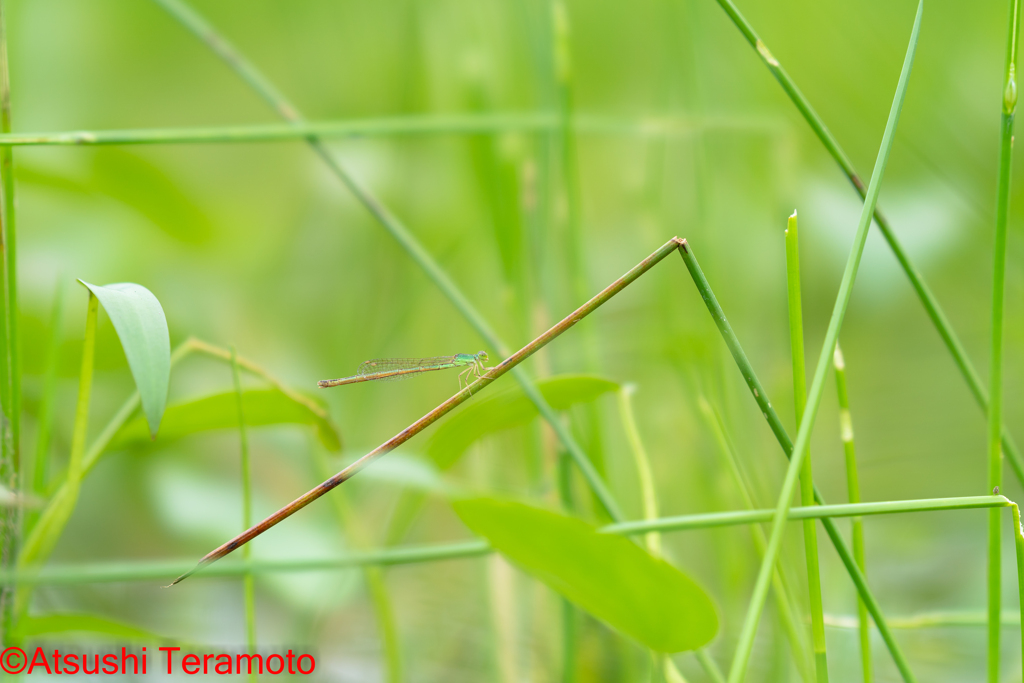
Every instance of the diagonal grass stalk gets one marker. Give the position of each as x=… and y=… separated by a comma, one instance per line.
x=928, y=300
x=791, y=624
x=761, y=398
x=746, y=640
x=796, y=342
x=248, y=585
x=461, y=397
x=853, y=492
x=248, y=72
x=413, y=554
x=995, y=409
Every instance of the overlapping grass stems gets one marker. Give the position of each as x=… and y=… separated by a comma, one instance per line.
x=796, y=341
x=9, y=383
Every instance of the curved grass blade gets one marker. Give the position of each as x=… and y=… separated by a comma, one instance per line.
x=142, y=329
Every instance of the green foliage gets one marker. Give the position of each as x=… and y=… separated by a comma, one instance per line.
x=142, y=328
x=262, y=407
x=609, y=576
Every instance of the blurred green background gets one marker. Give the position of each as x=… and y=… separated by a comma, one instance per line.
x=681, y=131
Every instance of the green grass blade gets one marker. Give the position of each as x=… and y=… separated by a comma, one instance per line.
x=1018, y=544
x=796, y=342
x=853, y=492
x=142, y=328
x=928, y=300
x=995, y=409
x=746, y=640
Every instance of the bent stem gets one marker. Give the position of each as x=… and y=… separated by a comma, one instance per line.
x=796, y=342
x=464, y=395
x=853, y=493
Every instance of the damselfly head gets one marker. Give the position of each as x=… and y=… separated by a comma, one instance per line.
x=482, y=356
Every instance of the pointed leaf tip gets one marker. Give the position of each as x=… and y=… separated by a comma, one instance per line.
x=141, y=327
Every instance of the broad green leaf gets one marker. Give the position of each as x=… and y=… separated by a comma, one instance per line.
x=47, y=624
x=609, y=576
x=142, y=329
x=510, y=408
x=220, y=411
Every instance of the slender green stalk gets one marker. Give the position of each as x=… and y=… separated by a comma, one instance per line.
x=10, y=360
x=761, y=398
x=37, y=473
x=655, y=126
x=9, y=245
x=649, y=501
x=796, y=342
x=1018, y=544
x=995, y=409
x=248, y=72
x=746, y=641
x=853, y=492
x=791, y=624
x=570, y=615
x=248, y=584
x=941, y=619
x=151, y=571
x=40, y=543
x=709, y=666
x=928, y=300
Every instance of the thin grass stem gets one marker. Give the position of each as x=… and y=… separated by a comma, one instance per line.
x=413, y=554
x=796, y=342
x=853, y=493
x=248, y=583
x=928, y=300
x=649, y=502
x=651, y=126
x=995, y=409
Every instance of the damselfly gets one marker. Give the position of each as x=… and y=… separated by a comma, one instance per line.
x=386, y=369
